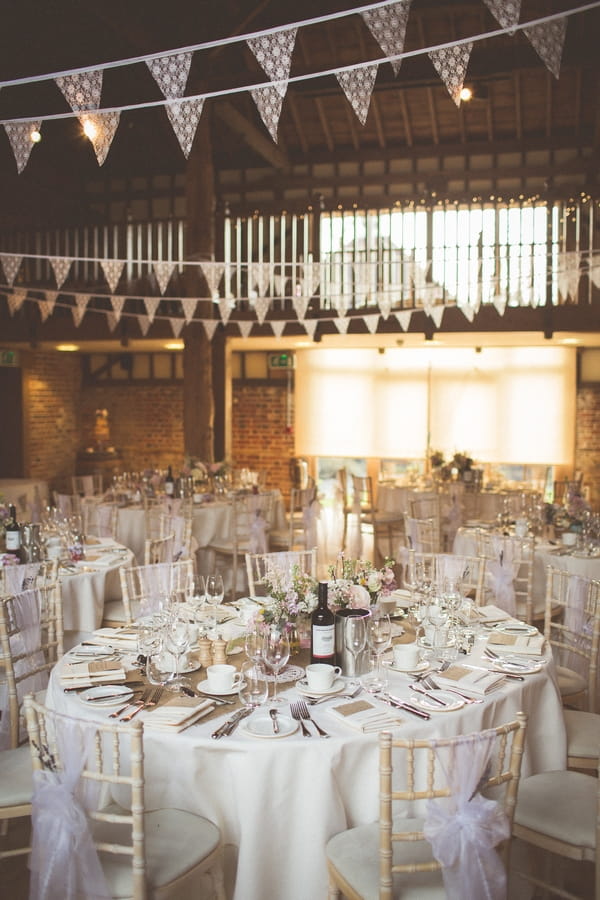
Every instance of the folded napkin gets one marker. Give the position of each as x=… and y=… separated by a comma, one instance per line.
x=473, y=681
x=528, y=644
x=488, y=613
x=365, y=716
x=176, y=718
x=124, y=638
x=88, y=673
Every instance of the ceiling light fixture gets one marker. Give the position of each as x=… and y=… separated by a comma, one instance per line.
x=67, y=348
x=89, y=129
x=174, y=345
x=35, y=136
x=466, y=94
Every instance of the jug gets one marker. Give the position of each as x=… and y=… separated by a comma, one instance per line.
x=30, y=542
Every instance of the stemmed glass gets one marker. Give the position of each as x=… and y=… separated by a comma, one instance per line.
x=379, y=637
x=177, y=640
x=254, y=644
x=355, y=637
x=254, y=688
x=276, y=652
x=214, y=595
x=436, y=614
x=197, y=599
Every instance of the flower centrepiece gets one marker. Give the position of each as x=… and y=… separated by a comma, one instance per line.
x=290, y=593
x=357, y=584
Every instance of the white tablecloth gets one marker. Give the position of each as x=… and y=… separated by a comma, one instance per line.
x=89, y=583
x=279, y=801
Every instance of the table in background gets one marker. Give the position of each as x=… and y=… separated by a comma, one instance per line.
x=278, y=801
x=29, y=496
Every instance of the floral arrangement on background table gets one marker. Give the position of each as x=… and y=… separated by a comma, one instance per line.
x=460, y=463
x=357, y=583
x=290, y=594
x=572, y=513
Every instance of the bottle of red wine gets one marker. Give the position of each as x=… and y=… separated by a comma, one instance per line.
x=170, y=483
x=12, y=533
x=322, y=637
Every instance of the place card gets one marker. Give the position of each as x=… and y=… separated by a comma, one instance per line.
x=529, y=644
x=365, y=716
x=470, y=679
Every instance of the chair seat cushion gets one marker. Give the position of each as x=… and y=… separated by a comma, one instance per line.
x=583, y=733
x=15, y=776
x=176, y=843
x=561, y=805
x=355, y=855
x=570, y=682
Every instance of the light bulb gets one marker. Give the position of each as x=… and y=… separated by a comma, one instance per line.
x=89, y=129
x=466, y=94
x=35, y=136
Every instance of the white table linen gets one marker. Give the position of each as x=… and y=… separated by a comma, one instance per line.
x=279, y=801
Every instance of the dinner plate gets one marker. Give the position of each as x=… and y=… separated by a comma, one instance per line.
x=414, y=670
x=518, y=666
x=517, y=628
x=202, y=686
x=303, y=688
x=118, y=694
x=452, y=701
x=91, y=653
x=262, y=726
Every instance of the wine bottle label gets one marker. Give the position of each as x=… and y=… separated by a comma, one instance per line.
x=323, y=640
x=169, y=487
x=12, y=540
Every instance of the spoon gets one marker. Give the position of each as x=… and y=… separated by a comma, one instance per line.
x=273, y=714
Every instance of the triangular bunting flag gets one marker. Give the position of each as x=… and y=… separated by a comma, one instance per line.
x=279, y=281
x=357, y=84
x=225, y=309
x=269, y=102
x=10, y=265
x=548, y=40
x=273, y=53
x=177, y=324
x=341, y=304
x=46, y=308
x=60, y=266
x=210, y=326
x=171, y=73
x=569, y=274
x=451, y=64
x=261, y=308
x=385, y=305
x=117, y=304
x=595, y=274
x=111, y=320
x=278, y=325
x=506, y=12
x=100, y=128
x=245, y=326
x=260, y=277
x=300, y=305
x=82, y=90
x=144, y=323
x=51, y=297
x=342, y=324
x=19, y=135
x=188, y=305
x=213, y=272
x=81, y=302
x=163, y=272
x=151, y=304
x=310, y=326
x=468, y=312
x=311, y=273
x=371, y=322
x=436, y=314
x=404, y=318
x=78, y=315
x=184, y=116
x=16, y=300
x=388, y=26
x=112, y=269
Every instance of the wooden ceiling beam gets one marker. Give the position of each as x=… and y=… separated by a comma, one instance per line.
x=433, y=117
x=240, y=125
x=324, y=125
x=406, y=118
x=290, y=98
x=549, y=98
x=518, y=115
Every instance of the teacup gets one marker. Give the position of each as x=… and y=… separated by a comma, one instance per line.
x=222, y=678
x=406, y=656
x=320, y=676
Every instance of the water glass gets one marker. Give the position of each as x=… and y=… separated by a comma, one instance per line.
x=254, y=688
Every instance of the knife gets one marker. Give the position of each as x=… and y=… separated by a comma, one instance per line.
x=227, y=727
x=402, y=704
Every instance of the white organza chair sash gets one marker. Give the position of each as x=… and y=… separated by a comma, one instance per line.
x=156, y=584
x=465, y=828
x=26, y=607
x=258, y=533
x=310, y=518
x=104, y=514
x=20, y=578
x=501, y=572
x=67, y=866
x=578, y=622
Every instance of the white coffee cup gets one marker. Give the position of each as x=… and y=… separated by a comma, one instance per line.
x=569, y=538
x=521, y=528
x=406, y=656
x=222, y=678
x=320, y=676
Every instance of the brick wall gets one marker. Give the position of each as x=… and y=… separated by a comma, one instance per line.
x=587, y=439
x=52, y=384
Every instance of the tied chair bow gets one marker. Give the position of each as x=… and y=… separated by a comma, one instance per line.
x=258, y=533
x=68, y=866
x=310, y=518
x=465, y=828
x=501, y=572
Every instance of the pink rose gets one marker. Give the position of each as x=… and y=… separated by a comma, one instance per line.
x=358, y=597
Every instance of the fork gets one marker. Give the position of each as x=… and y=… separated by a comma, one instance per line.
x=118, y=712
x=312, y=701
x=151, y=701
x=304, y=712
x=296, y=715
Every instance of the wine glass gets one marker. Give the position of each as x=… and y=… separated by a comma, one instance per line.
x=437, y=614
x=177, y=637
x=355, y=637
x=214, y=596
x=379, y=637
x=276, y=652
x=254, y=688
x=254, y=644
x=197, y=599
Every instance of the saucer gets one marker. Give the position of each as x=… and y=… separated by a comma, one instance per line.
x=424, y=664
x=517, y=628
x=120, y=693
x=303, y=688
x=518, y=666
x=262, y=726
x=452, y=701
x=202, y=686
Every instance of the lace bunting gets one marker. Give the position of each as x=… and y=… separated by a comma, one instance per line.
x=451, y=65
x=273, y=53
x=269, y=102
x=548, y=40
x=184, y=116
x=19, y=135
x=171, y=73
x=357, y=85
x=388, y=26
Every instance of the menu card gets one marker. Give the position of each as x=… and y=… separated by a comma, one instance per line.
x=365, y=716
x=470, y=679
x=84, y=674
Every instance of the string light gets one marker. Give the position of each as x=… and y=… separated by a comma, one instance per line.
x=35, y=136
x=89, y=129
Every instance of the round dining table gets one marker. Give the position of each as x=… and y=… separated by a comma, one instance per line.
x=277, y=800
